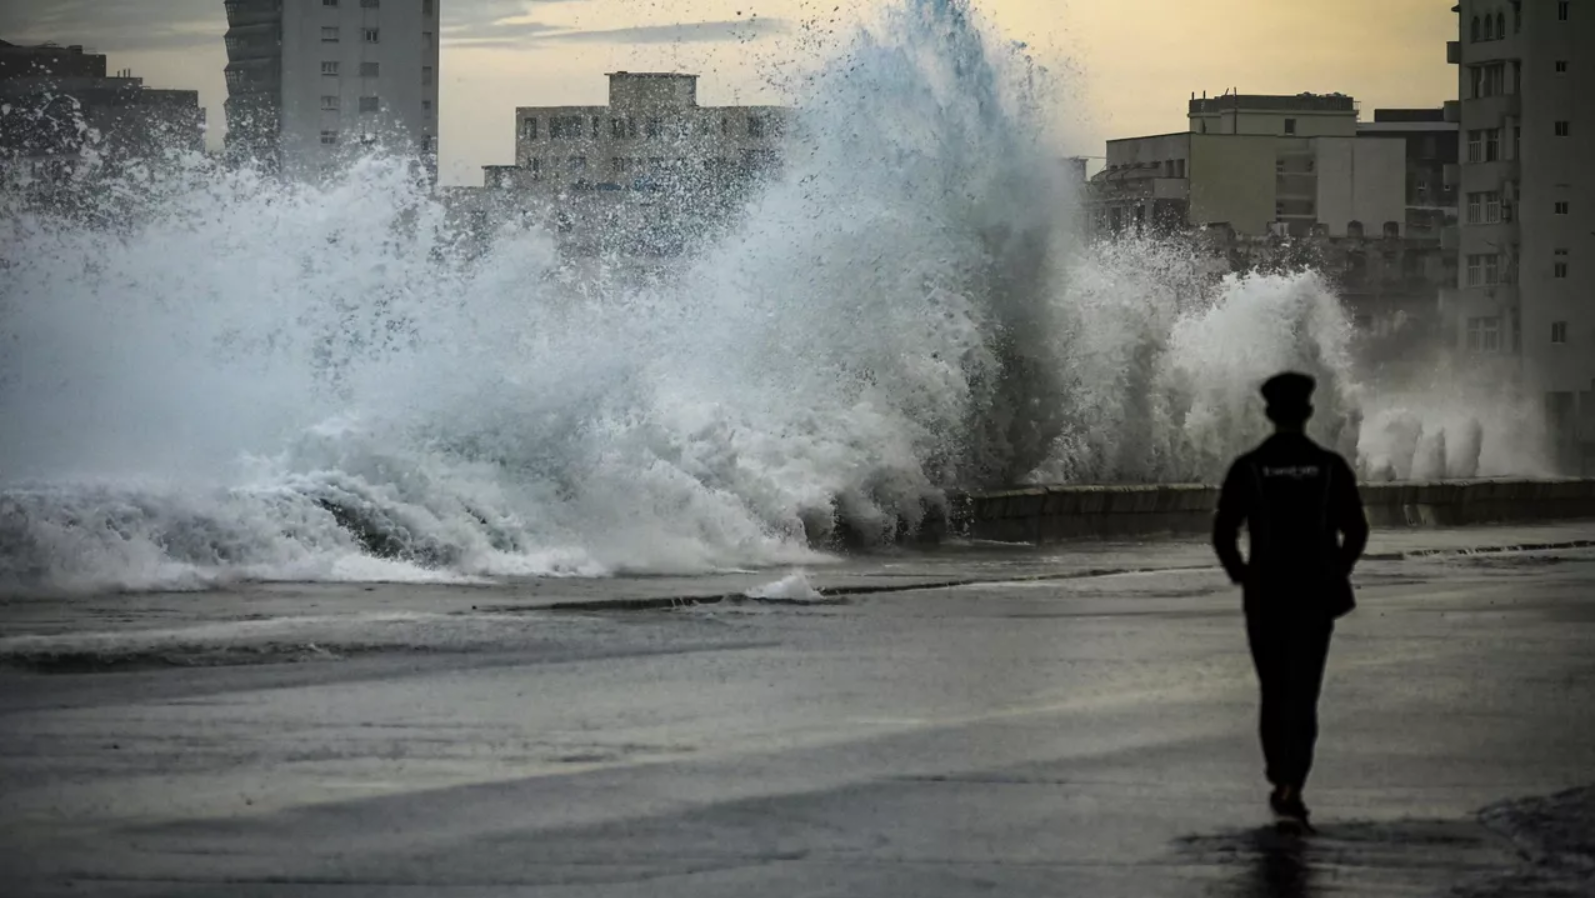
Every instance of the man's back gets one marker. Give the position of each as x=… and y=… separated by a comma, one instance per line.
x=1296, y=498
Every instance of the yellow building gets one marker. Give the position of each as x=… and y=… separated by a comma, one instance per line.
x=1258, y=165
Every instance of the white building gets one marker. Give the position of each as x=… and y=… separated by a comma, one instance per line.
x=1525, y=295
x=311, y=83
x=644, y=174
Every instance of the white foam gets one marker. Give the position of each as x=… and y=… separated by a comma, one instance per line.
x=256, y=381
x=793, y=587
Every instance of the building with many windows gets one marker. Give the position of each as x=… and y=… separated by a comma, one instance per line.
x=1258, y=165
x=643, y=174
x=1525, y=293
x=314, y=83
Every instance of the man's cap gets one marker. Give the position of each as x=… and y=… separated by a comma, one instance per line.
x=1290, y=391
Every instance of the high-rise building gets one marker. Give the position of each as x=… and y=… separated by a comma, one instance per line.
x=314, y=83
x=1524, y=304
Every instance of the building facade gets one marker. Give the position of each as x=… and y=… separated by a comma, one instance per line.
x=1524, y=303
x=646, y=172
x=64, y=118
x=1258, y=165
x=312, y=84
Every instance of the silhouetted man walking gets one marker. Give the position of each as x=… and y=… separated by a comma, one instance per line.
x=1297, y=500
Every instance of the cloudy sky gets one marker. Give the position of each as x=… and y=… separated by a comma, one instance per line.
x=1134, y=62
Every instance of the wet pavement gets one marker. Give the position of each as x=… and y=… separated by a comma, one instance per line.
x=1086, y=734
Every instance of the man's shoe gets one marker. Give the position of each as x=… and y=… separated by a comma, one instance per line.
x=1291, y=813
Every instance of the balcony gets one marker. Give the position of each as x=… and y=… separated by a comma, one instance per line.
x=1452, y=111
x=252, y=12
x=252, y=76
x=1491, y=112
x=253, y=42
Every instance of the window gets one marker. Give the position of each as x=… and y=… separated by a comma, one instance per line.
x=1483, y=270
x=370, y=69
x=565, y=127
x=1559, y=269
x=1475, y=146
x=1561, y=207
x=623, y=128
x=1179, y=168
x=329, y=34
x=426, y=75
x=578, y=164
x=1290, y=126
x=1492, y=144
x=652, y=128
x=329, y=68
x=426, y=7
x=755, y=126
x=529, y=128
x=1484, y=334
x=619, y=164
x=1500, y=25
x=329, y=102
x=1564, y=128
x=370, y=35
x=1475, y=207
x=1487, y=80
x=329, y=2
x=426, y=105
x=370, y=104
x=427, y=38
x=1563, y=10
x=1473, y=32
x=1558, y=331
x=1517, y=16
x=371, y=4
x=1492, y=207
x=328, y=138
x=1561, y=67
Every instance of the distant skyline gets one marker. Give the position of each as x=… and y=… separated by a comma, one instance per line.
x=1134, y=62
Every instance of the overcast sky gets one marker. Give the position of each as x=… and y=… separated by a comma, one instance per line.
x=1136, y=61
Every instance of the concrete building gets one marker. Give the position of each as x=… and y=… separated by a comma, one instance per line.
x=1432, y=159
x=1524, y=303
x=1258, y=165
x=64, y=118
x=644, y=173
x=314, y=83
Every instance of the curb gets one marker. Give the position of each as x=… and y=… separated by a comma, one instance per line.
x=841, y=595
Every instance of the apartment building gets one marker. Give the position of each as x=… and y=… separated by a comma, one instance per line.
x=64, y=116
x=644, y=173
x=1524, y=303
x=1288, y=165
x=312, y=84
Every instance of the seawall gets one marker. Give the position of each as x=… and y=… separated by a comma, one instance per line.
x=1041, y=514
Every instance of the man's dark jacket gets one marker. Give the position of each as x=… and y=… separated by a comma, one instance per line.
x=1296, y=498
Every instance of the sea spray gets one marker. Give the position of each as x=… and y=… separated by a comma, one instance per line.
x=253, y=380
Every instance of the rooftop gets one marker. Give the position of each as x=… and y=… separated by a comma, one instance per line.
x=1303, y=102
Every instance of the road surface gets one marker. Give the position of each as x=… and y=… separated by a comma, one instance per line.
x=1074, y=721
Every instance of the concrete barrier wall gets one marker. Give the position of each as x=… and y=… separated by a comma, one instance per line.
x=1051, y=513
